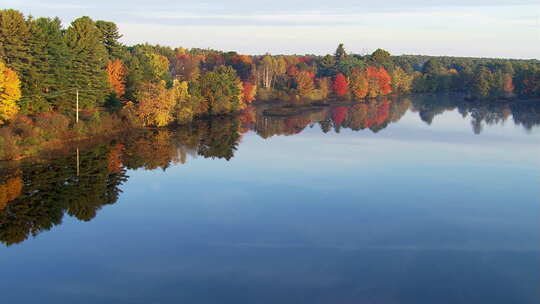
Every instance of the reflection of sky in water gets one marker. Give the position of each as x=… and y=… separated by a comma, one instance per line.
x=412, y=214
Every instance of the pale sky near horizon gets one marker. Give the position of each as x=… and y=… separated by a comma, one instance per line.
x=478, y=28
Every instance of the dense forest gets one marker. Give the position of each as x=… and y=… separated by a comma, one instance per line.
x=45, y=68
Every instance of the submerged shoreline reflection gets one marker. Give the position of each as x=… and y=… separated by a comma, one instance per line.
x=35, y=196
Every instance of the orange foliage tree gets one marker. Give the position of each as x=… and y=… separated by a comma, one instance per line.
x=508, y=85
x=116, y=72
x=379, y=82
x=372, y=76
x=385, y=81
x=249, y=91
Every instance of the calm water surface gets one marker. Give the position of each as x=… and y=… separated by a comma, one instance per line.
x=421, y=200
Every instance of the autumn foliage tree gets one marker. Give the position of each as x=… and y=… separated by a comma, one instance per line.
x=401, y=81
x=249, y=91
x=185, y=108
x=116, y=73
x=304, y=83
x=508, y=84
x=324, y=85
x=340, y=85
x=385, y=81
x=10, y=92
x=156, y=104
x=372, y=75
x=358, y=84
x=379, y=82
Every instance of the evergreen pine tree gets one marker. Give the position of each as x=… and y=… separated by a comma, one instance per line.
x=110, y=36
x=58, y=57
x=88, y=62
x=340, y=52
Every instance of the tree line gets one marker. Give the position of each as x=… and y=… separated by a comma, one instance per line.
x=43, y=66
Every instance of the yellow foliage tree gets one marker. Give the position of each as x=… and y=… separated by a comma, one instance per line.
x=156, y=104
x=358, y=84
x=401, y=81
x=159, y=64
x=184, y=107
x=10, y=92
x=304, y=83
x=325, y=86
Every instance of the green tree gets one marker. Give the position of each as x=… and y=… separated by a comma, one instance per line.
x=89, y=60
x=110, y=36
x=432, y=67
x=326, y=66
x=220, y=89
x=432, y=70
x=50, y=61
x=482, y=80
x=340, y=52
x=382, y=58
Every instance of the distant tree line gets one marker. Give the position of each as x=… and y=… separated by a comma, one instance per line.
x=43, y=66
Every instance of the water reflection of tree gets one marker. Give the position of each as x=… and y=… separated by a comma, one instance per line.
x=10, y=187
x=52, y=189
x=526, y=114
x=35, y=197
x=219, y=138
x=374, y=115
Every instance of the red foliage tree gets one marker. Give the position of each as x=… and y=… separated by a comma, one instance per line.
x=385, y=82
x=340, y=85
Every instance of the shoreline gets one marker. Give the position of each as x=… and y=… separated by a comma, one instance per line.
x=275, y=108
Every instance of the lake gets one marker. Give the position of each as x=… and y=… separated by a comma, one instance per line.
x=424, y=199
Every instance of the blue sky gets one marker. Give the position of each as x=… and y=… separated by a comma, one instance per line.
x=481, y=28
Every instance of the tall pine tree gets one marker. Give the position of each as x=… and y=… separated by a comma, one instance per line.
x=89, y=59
x=110, y=36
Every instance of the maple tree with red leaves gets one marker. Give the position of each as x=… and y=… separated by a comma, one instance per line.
x=340, y=85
